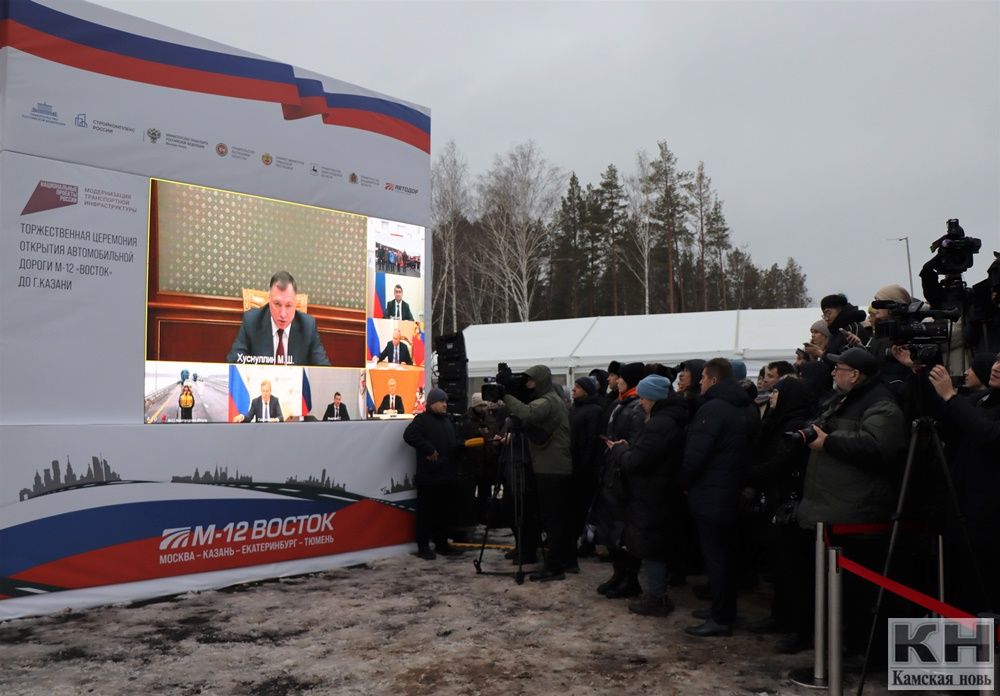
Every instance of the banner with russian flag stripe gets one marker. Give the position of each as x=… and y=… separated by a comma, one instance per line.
x=126, y=94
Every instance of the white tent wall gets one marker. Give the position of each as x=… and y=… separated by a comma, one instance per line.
x=571, y=347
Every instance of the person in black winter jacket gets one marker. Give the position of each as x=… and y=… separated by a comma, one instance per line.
x=586, y=449
x=841, y=314
x=972, y=437
x=689, y=384
x=776, y=473
x=608, y=514
x=713, y=472
x=433, y=436
x=650, y=465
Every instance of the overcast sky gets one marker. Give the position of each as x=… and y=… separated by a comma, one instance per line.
x=827, y=127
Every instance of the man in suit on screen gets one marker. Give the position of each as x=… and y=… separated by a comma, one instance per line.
x=279, y=331
x=263, y=409
x=396, y=351
x=391, y=401
x=336, y=411
x=397, y=308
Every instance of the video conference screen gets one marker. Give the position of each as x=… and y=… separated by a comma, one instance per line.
x=265, y=311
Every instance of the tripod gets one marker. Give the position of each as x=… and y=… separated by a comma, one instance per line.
x=514, y=460
x=921, y=426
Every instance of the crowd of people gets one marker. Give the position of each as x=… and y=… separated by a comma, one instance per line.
x=397, y=261
x=670, y=470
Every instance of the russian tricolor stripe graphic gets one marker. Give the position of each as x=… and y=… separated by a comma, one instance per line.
x=165, y=538
x=62, y=38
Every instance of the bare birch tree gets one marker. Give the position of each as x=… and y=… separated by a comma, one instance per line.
x=451, y=203
x=518, y=197
x=642, y=233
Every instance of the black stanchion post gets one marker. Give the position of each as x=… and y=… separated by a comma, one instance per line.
x=940, y=560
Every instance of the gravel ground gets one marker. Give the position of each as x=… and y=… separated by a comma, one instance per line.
x=395, y=626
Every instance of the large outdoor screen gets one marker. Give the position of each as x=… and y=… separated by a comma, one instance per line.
x=266, y=311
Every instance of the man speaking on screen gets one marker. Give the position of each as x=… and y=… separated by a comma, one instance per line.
x=278, y=334
x=263, y=409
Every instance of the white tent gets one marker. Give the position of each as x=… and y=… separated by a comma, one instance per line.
x=575, y=346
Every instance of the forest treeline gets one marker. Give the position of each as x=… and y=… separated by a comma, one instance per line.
x=523, y=242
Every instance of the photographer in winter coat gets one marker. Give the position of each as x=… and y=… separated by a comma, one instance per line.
x=850, y=479
x=545, y=420
x=650, y=464
x=845, y=323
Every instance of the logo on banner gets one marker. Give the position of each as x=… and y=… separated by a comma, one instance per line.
x=153, y=134
x=266, y=159
x=950, y=654
x=80, y=121
x=44, y=112
x=222, y=149
x=245, y=538
x=314, y=170
x=353, y=178
x=49, y=195
x=399, y=188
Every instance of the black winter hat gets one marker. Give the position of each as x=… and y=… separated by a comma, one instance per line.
x=587, y=384
x=833, y=301
x=602, y=379
x=632, y=373
x=982, y=363
x=858, y=358
x=614, y=368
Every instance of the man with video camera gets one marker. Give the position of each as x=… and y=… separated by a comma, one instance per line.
x=980, y=305
x=545, y=421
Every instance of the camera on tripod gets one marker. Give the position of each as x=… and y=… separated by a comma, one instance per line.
x=506, y=382
x=923, y=339
x=954, y=250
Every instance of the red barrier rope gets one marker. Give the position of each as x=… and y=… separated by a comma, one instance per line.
x=915, y=596
x=875, y=528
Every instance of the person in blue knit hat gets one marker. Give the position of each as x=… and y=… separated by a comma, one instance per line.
x=650, y=465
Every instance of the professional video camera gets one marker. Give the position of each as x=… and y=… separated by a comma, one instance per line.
x=506, y=382
x=953, y=257
x=926, y=341
x=955, y=250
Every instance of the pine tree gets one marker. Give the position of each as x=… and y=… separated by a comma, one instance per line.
x=614, y=216
x=670, y=210
x=564, y=253
x=717, y=243
x=701, y=210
